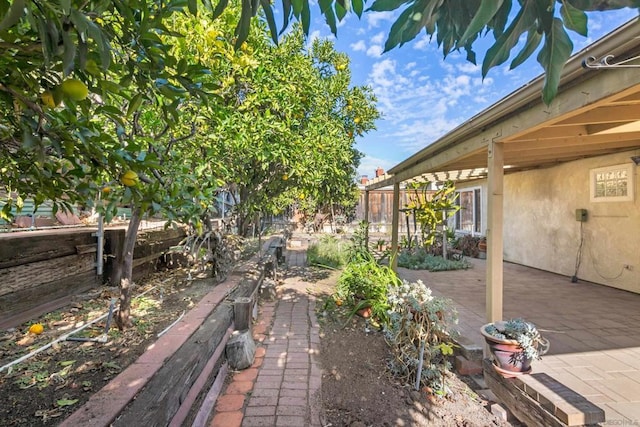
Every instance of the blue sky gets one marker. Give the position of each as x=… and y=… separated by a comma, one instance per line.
x=420, y=94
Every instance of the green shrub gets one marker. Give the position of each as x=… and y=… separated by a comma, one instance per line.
x=364, y=283
x=419, y=259
x=328, y=252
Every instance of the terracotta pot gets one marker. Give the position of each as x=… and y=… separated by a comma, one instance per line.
x=364, y=312
x=507, y=355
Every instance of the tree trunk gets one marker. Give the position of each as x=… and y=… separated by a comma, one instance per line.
x=126, y=281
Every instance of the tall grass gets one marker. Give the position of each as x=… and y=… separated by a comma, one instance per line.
x=328, y=252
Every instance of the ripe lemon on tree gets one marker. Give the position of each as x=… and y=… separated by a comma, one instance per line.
x=47, y=99
x=106, y=190
x=285, y=177
x=36, y=328
x=129, y=179
x=74, y=89
x=357, y=120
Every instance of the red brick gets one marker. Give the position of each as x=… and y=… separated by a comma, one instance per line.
x=259, y=329
x=227, y=419
x=240, y=387
x=467, y=367
x=260, y=351
x=246, y=375
x=257, y=362
x=230, y=402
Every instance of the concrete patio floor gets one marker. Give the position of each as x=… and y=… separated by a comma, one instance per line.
x=594, y=330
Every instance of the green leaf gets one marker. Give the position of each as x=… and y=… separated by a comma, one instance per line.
x=242, y=29
x=66, y=402
x=220, y=7
x=386, y=5
x=574, y=19
x=327, y=11
x=340, y=11
x=271, y=22
x=357, y=6
x=305, y=17
x=193, y=7
x=135, y=103
x=497, y=54
x=65, y=5
x=286, y=12
x=554, y=54
x=13, y=15
x=67, y=362
x=69, y=53
x=485, y=12
x=533, y=40
x=407, y=26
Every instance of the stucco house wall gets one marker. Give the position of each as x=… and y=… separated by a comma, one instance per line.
x=541, y=230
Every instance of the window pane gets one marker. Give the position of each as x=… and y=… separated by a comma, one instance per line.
x=478, y=222
x=466, y=211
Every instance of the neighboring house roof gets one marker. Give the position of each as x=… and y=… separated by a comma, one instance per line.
x=596, y=112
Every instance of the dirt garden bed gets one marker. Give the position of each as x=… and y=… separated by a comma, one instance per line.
x=357, y=388
x=44, y=389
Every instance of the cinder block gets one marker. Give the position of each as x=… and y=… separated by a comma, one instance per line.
x=467, y=367
x=501, y=412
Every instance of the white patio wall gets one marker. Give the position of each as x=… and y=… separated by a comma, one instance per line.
x=541, y=231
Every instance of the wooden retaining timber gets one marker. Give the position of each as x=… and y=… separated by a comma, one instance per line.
x=539, y=400
x=162, y=400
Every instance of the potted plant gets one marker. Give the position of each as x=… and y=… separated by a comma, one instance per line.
x=514, y=344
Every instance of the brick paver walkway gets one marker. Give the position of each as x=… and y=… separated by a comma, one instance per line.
x=282, y=387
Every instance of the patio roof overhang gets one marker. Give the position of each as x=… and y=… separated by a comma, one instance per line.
x=597, y=111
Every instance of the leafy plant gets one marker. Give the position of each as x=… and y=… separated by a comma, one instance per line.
x=419, y=321
x=328, y=252
x=420, y=259
x=526, y=334
x=432, y=210
x=359, y=248
x=364, y=283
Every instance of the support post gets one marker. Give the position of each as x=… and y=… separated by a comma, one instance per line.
x=366, y=214
x=394, y=226
x=495, y=184
x=242, y=308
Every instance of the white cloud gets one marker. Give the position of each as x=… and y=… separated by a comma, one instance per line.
x=375, y=18
x=358, y=46
x=468, y=67
x=374, y=51
x=378, y=38
x=410, y=65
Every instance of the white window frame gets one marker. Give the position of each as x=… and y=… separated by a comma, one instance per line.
x=593, y=174
x=475, y=209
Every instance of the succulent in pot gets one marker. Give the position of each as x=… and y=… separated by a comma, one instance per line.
x=514, y=344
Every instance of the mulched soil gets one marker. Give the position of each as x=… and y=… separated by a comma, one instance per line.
x=44, y=389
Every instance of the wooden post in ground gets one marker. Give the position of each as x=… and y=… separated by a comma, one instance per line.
x=495, y=184
x=394, y=226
